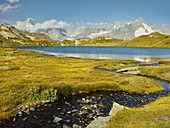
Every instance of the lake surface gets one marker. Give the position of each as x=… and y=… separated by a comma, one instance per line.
x=103, y=52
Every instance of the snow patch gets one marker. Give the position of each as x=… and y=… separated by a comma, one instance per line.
x=94, y=35
x=148, y=28
x=140, y=31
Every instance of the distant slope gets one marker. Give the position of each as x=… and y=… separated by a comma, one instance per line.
x=153, y=40
x=10, y=36
x=98, y=41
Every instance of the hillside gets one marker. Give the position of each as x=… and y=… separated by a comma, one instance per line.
x=153, y=40
x=10, y=37
x=98, y=41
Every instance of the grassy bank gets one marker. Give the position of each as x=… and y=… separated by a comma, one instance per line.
x=161, y=71
x=26, y=76
x=152, y=115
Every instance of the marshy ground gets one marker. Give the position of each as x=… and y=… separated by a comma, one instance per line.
x=26, y=76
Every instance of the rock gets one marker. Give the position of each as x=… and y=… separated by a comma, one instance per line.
x=132, y=72
x=20, y=113
x=163, y=118
x=49, y=121
x=76, y=126
x=116, y=107
x=26, y=106
x=69, y=112
x=121, y=64
x=57, y=119
x=4, y=67
x=48, y=101
x=24, y=119
x=14, y=119
x=32, y=109
x=65, y=126
x=75, y=110
x=99, y=122
x=127, y=69
x=68, y=121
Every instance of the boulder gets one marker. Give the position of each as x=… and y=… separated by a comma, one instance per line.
x=116, y=108
x=100, y=122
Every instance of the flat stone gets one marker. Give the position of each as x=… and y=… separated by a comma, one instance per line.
x=132, y=72
x=127, y=69
x=99, y=122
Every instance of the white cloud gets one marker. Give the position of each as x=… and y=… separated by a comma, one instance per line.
x=12, y=1
x=96, y=24
x=30, y=26
x=6, y=7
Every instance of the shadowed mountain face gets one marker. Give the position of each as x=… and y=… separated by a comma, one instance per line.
x=10, y=36
x=116, y=30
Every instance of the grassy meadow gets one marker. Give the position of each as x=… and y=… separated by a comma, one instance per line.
x=26, y=76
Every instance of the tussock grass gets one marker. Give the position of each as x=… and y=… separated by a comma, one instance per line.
x=29, y=70
x=161, y=71
x=145, y=117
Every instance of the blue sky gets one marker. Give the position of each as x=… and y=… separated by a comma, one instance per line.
x=95, y=11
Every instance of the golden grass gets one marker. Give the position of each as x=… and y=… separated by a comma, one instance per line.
x=147, y=117
x=29, y=70
x=161, y=71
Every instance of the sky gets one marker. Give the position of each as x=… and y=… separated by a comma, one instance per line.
x=85, y=11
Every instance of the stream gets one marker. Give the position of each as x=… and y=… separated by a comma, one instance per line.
x=78, y=111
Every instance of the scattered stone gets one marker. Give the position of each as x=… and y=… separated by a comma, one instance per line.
x=48, y=101
x=163, y=118
x=58, y=108
x=32, y=109
x=26, y=106
x=20, y=113
x=69, y=112
x=35, y=117
x=14, y=119
x=57, y=119
x=49, y=121
x=68, y=121
x=24, y=119
x=76, y=126
x=65, y=126
x=75, y=110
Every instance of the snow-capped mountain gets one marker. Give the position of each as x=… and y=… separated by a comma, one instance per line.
x=115, y=30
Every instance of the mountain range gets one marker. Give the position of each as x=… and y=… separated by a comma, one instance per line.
x=116, y=30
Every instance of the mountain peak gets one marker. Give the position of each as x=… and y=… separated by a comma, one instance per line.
x=139, y=20
x=29, y=21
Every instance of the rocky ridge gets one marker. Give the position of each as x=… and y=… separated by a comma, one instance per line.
x=10, y=36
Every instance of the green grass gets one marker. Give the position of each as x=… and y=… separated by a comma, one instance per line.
x=143, y=117
x=34, y=77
